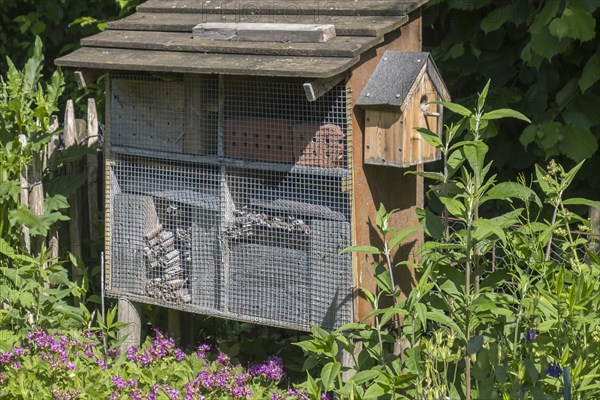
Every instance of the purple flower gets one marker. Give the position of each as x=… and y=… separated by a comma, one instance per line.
x=179, y=354
x=223, y=358
x=120, y=382
x=70, y=366
x=530, y=335
x=554, y=370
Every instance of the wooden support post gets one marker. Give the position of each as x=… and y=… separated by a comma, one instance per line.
x=318, y=87
x=174, y=323
x=92, y=178
x=130, y=314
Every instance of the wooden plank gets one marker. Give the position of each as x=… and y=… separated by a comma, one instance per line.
x=341, y=46
x=318, y=87
x=344, y=26
x=228, y=64
x=264, y=32
x=276, y=7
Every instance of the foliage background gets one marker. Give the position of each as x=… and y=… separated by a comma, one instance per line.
x=542, y=58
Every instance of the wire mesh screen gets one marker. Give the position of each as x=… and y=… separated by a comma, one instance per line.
x=231, y=199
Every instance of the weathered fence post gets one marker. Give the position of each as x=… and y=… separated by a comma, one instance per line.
x=25, y=237
x=51, y=153
x=595, y=221
x=70, y=138
x=92, y=177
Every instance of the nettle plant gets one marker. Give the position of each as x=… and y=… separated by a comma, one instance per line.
x=474, y=327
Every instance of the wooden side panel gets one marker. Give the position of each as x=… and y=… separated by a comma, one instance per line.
x=375, y=184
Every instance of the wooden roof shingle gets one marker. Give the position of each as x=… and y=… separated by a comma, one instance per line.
x=158, y=37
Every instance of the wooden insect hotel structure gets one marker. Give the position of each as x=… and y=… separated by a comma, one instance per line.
x=248, y=143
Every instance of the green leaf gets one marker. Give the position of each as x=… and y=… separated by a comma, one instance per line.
x=421, y=311
x=329, y=374
x=475, y=344
x=382, y=278
x=400, y=236
x=495, y=19
x=483, y=95
x=56, y=202
x=22, y=216
x=590, y=74
x=514, y=190
x=579, y=143
x=363, y=377
x=454, y=207
x=485, y=228
x=582, y=202
x=455, y=161
x=441, y=318
x=374, y=391
x=431, y=138
x=361, y=249
x=475, y=153
x=431, y=223
x=575, y=23
x=457, y=108
x=504, y=113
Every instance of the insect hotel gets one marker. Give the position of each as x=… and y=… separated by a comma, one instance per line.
x=248, y=143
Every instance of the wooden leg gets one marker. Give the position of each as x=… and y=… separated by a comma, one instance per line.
x=347, y=360
x=174, y=323
x=130, y=314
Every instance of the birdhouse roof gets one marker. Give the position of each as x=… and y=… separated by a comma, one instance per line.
x=159, y=37
x=395, y=77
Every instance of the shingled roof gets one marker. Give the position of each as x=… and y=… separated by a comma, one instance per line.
x=158, y=37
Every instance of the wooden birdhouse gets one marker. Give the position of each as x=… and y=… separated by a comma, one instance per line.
x=399, y=98
x=234, y=151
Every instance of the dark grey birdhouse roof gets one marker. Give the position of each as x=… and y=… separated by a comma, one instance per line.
x=395, y=76
x=158, y=37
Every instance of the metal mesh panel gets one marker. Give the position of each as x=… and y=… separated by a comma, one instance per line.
x=245, y=214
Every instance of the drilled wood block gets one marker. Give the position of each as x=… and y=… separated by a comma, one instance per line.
x=147, y=114
x=259, y=139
